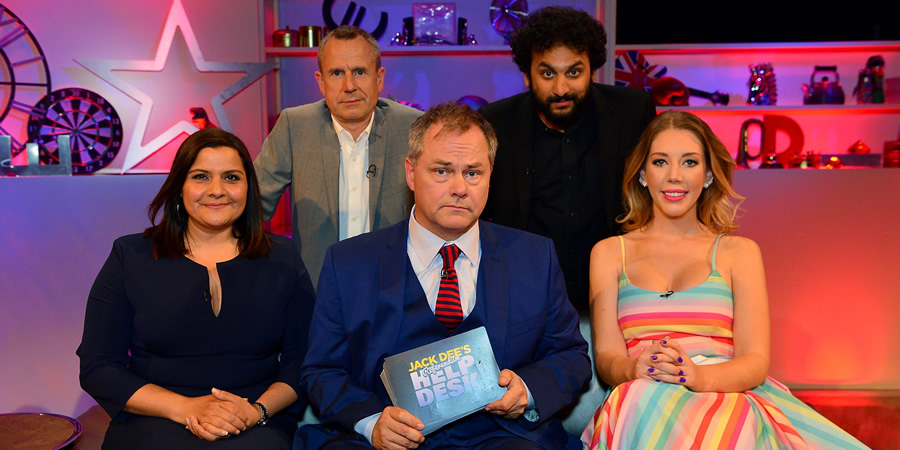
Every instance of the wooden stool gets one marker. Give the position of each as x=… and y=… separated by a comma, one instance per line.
x=37, y=431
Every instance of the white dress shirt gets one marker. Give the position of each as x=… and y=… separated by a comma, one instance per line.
x=353, y=188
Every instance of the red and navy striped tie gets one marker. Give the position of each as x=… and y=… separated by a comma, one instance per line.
x=448, y=308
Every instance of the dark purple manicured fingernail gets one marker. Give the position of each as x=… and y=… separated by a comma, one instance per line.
x=653, y=357
x=650, y=370
x=680, y=372
x=663, y=341
x=682, y=380
x=679, y=359
x=656, y=381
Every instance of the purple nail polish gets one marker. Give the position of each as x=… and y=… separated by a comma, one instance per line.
x=679, y=359
x=680, y=372
x=650, y=370
x=653, y=357
x=656, y=381
x=663, y=341
x=682, y=380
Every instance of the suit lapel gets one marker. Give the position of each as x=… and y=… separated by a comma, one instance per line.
x=608, y=144
x=494, y=275
x=377, y=150
x=331, y=162
x=392, y=285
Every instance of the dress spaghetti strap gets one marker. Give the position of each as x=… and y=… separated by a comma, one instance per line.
x=715, y=247
x=622, y=244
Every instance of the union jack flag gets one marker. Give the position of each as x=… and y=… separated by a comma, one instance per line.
x=633, y=70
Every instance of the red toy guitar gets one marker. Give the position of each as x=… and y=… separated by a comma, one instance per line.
x=633, y=70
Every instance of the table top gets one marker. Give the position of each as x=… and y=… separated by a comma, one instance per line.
x=27, y=431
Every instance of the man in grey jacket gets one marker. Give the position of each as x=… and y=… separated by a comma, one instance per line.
x=342, y=156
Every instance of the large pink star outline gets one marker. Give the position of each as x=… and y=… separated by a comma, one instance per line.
x=177, y=18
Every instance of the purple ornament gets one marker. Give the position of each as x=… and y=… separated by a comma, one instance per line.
x=473, y=101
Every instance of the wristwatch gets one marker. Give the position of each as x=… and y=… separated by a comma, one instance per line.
x=265, y=414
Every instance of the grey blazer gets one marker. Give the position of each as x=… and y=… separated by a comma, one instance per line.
x=303, y=151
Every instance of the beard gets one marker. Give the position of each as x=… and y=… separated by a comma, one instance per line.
x=561, y=119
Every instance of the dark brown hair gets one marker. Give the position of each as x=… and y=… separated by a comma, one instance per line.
x=168, y=236
x=714, y=208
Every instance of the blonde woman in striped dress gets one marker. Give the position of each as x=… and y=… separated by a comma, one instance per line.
x=680, y=319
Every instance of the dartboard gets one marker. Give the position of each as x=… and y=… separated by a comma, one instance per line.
x=508, y=15
x=24, y=76
x=91, y=121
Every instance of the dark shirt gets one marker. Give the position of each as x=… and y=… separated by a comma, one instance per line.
x=617, y=116
x=566, y=194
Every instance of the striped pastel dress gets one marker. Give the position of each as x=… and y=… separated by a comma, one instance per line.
x=645, y=414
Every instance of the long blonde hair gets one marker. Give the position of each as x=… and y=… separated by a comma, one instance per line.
x=714, y=208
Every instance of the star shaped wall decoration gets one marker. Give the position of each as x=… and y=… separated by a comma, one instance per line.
x=177, y=19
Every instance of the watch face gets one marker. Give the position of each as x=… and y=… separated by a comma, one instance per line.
x=91, y=121
x=24, y=76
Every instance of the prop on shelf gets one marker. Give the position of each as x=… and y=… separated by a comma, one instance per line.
x=410, y=35
x=668, y=91
x=743, y=155
x=331, y=24
x=462, y=33
x=824, y=91
x=405, y=36
x=870, y=87
x=92, y=122
x=473, y=101
x=507, y=16
x=407, y=103
x=633, y=70
x=808, y=160
x=763, y=89
x=200, y=119
x=411, y=105
x=434, y=23
x=310, y=35
x=833, y=163
x=24, y=76
x=770, y=162
x=891, y=153
x=859, y=147
x=285, y=38
x=768, y=128
x=33, y=165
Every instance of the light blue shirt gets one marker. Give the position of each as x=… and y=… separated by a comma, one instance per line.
x=422, y=248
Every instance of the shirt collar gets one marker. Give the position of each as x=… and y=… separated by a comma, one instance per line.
x=426, y=244
x=338, y=128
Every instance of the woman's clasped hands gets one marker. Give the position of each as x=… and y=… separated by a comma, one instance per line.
x=220, y=415
x=665, y=361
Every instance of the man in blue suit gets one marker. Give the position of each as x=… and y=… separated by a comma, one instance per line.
x=379, y=293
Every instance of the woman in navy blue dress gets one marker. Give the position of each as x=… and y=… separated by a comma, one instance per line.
x=195, y=330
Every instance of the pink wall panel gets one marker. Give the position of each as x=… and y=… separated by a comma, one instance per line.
x=831, y=245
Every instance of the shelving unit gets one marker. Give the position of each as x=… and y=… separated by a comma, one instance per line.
x=435, y=50
x=828, y=129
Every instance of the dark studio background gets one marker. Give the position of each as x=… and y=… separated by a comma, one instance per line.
x=699, y=21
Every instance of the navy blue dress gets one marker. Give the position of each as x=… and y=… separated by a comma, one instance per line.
x=150, y=321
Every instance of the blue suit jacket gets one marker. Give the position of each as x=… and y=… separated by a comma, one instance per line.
x=531, y=324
